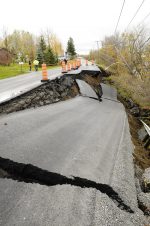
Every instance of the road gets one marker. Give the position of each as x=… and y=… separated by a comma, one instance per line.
x=80, y=137
x=11, y=87
x=62, y=136
x=14, y=86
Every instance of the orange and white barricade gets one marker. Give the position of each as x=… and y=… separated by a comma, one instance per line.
x=44, y=73
x=64, y=67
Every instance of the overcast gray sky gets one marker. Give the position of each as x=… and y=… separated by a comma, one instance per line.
x=86, y=21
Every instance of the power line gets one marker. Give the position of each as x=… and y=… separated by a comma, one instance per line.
x=135, y=14
x=119, y=16
x=145, y=18
x=145, y=42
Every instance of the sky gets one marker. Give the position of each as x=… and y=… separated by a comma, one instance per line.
x=86, y=21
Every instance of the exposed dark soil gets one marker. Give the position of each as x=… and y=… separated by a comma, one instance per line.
x=141, y=154
x=32, y=174
x=94, y=82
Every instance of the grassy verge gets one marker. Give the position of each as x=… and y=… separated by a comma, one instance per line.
x=134, y=88
x=15, y=69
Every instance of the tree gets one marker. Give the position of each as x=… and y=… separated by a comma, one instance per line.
x=20, y=43
x=41, y=50
x=71, y=48
x=28, y=46
x=49, y=56
x=42, y=44
x=126, y=53
x=24, y=45
x=53, y=41
x=39, y=56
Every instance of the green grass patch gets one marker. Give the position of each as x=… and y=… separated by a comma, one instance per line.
x=15, y=69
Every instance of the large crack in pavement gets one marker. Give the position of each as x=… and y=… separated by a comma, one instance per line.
x=31, y=174
x=59, y=89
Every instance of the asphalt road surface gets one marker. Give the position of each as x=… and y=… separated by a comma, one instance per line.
x=68, y=137
x=85, y=89
x=11, y=87
x=79, y=137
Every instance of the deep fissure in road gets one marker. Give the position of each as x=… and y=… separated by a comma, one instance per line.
x=32, y=174
x=50, y=92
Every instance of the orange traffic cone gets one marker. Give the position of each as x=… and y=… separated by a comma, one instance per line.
x=44, y=73
x=86, y=63
x=64, y=69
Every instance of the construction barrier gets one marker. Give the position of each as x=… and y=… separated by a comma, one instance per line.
x=44, y=73
x=92, y=62
x=64, y=67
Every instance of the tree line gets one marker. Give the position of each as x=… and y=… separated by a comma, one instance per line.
x=128, y=52
x=25, y=46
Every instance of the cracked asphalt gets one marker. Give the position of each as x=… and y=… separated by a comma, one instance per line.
x=79, y=137
x=11, y=87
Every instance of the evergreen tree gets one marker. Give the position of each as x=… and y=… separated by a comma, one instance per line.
x=39, y=56
x=42, y=44
x=41, y=51
x=56, y=58
x=71, y=48
x=49, y=56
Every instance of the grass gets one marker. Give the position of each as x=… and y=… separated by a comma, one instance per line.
x=134, y=88
x=15, y=69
